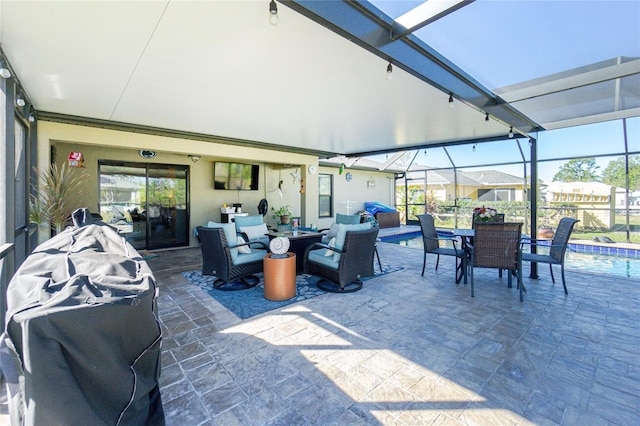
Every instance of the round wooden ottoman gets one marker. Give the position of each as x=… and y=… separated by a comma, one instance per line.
x=279, y=277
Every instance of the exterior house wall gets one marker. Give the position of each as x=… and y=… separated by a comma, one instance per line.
x=106, y=144
x=300, y=193
x=595, y=202
x=471, y=192
x=349, y=197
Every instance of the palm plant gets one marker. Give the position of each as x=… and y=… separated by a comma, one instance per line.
x=58, y=194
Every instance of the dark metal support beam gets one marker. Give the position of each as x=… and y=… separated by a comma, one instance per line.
x=433, y=145
x=534, y=202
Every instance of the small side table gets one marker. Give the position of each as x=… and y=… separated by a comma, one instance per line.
x=279, y=277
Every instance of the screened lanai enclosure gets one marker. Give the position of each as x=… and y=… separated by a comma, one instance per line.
x=590, y=172
x=528, y=106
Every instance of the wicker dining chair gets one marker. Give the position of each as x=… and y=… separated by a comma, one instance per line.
x=497, y=245
x=499, y=217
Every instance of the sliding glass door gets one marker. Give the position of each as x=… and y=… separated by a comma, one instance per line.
x=148, y=203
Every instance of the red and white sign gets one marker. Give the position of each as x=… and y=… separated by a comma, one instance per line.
x=75, y=159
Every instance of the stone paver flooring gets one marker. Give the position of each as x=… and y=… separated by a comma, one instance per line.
x=405, y=349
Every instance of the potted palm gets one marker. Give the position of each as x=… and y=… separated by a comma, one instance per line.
x=283, y=212
x=58, y=193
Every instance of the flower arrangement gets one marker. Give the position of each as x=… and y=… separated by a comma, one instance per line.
x=484, y=214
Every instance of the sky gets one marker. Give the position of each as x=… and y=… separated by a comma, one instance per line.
x=549, y=36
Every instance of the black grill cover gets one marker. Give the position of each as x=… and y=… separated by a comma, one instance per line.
x=82, y=339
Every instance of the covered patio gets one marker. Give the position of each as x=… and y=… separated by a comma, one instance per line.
x=405, y=349
x=332, y=83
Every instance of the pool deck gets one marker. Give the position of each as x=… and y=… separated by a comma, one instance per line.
x=406, y=349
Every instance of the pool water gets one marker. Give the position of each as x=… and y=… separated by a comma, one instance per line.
x=579, y=262
x=602, y=264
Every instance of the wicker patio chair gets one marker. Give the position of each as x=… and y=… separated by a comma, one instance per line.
x=341, y=271
x=557, y=248
x=497, y=245
x=233, y=270
x=431, y=243
x=346, y=219
x=499, y=217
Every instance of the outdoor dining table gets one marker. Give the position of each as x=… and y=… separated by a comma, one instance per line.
x=465, y=235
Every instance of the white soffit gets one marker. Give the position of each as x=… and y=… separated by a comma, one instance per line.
x=218, y=68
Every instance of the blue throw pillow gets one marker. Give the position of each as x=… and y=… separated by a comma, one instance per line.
x=348, y=219
x=247, y=221
x=230, y=235
x=342, y=233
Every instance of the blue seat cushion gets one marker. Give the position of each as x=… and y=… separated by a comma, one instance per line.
x=318, y=256
x=255, y=255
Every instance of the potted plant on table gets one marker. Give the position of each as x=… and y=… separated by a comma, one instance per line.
x=484, y=214
x=283, y=212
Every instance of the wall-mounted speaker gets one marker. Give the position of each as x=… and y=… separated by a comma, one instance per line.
x=144, y=153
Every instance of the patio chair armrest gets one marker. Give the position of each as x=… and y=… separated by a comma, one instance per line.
x=533, y=242
x=316, y=246
x=259, y=243
x=247, y=243
x=453, y=240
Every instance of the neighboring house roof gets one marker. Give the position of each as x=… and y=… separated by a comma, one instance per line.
x=494, y=177
x=477, y=178
x=449, y=177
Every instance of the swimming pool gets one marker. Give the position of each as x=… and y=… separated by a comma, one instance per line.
x=579, y=262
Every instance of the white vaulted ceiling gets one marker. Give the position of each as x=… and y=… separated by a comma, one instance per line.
x=218, y=68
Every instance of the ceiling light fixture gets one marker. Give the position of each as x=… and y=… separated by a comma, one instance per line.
x=486, y=119
x=451, y=104
x=510, y=132
x=389, y=75
x=20, y=100
x=4, y=69
x=194, y=158
x=273, y=13
x=32, y=117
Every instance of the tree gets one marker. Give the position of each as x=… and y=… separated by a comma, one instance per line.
x=614, y=173
x=578, y=170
